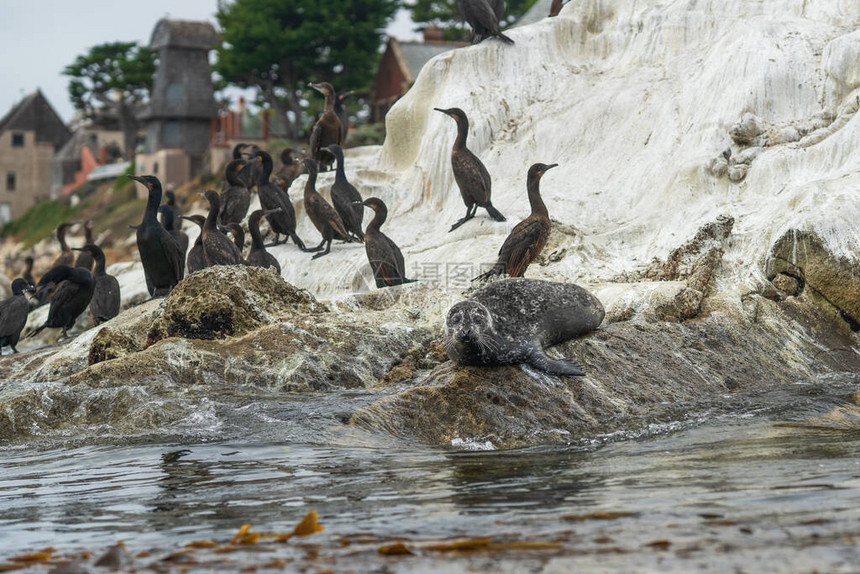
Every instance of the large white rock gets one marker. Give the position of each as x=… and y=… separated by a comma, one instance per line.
x=634, y=100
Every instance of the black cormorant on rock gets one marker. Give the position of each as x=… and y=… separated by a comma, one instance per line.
x=384, y=256
x=483, y=16
x=161, y=255
x=326, y=130
x=321, y=213
x=105, y=303
x=27, y=274
x=471, y=176
x=238, y=234
x=13, y=314
x=258, y=256
x=345, y=198
x=235, y=197
x=528, y=237
x=66, y=257
x=170, y=201
x=84, y=259
x=71, y=297
x=170, y=224
x=290, y=168
x=217, y=247
x=282, y=215
x=249, y=172
x=196, y=260
x=340, y=110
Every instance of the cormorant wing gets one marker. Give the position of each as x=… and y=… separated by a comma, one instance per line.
x=399, y=264
x=316, y=136
x=518, y=250
x=499, y=9
x=173, y=254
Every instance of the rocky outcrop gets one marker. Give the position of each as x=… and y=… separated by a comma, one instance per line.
x=637, y=372
x=806, y=259
x=228, y=301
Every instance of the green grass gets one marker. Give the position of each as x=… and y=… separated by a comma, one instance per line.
x=40, y=221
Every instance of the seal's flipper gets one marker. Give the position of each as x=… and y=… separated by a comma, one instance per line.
x=554, y=366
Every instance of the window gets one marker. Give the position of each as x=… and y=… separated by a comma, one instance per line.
x=17, y=139
x=5, y=213
x=11, y=180
x=170, y=135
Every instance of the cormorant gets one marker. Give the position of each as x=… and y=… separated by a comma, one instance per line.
x=66, y=257
x=291, y=167
x=161, y=255
x=217, y=248
x=235, y=197
x=70, y=298
x=483, y=16
x=384, y=256
x=238, y=234
x=84, y=259
x=340, y=110
x=196, y=260
x=258, y=256
x=345, y=198
x=249, y=172
x=170, y=201
x=471, y=176
x=105, y=303
x=27, y=274
x=322, y=215
x=326, y=130
x=282, y=215
x=169, y=223
x=527, y=239
x=13, y=314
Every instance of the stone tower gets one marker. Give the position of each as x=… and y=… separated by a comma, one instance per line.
x=182, y=103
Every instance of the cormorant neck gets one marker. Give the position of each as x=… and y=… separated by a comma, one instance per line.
x=462, y=133
x=212, y=216
x=152, y=203
x=61, y=237
x=256, y=237
x=100, y=266
x=311, y=183
x=265, y=173
x=340, y=172
x=535, y=200
x=329, y=103
x=88, y=234
x=379, y=216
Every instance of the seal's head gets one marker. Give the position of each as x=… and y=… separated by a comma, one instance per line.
x=468, y=330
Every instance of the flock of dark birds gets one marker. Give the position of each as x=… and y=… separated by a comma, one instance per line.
x=74, y=283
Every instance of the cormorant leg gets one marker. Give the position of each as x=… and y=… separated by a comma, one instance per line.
x=14, y=350
x=470, y=213
x=327, y=249
x=276, y=241
x=318, y=247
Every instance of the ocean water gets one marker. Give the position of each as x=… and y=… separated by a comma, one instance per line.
x=745, y=484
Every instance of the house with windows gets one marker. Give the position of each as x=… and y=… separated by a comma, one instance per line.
x=30, y=133
x=182, y=106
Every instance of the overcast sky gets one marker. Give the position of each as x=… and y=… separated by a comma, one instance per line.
x=40, y=38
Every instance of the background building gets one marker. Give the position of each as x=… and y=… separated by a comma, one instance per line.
x=30, y=134
x=182, y=104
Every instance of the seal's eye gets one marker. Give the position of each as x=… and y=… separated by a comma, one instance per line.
x=478, y=319
x=455, y=319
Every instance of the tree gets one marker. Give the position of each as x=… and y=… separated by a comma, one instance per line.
x=445, y=14
x=115, y=76
x=278, y=46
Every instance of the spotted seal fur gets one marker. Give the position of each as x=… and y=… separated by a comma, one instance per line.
x=512, y=321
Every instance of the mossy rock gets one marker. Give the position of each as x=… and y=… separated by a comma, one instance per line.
x=229, y=301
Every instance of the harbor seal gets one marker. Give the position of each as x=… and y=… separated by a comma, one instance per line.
x=512, y=321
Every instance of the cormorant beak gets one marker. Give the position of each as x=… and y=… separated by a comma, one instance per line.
x=268, y=211
x=550, y=166
x=203, y=195
x=346, y=94
x=136, y=178
x=78, y=249
x=317, y=87
x=443, y=111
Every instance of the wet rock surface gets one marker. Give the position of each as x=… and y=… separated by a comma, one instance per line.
x=637, y=371
x=804, y=256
